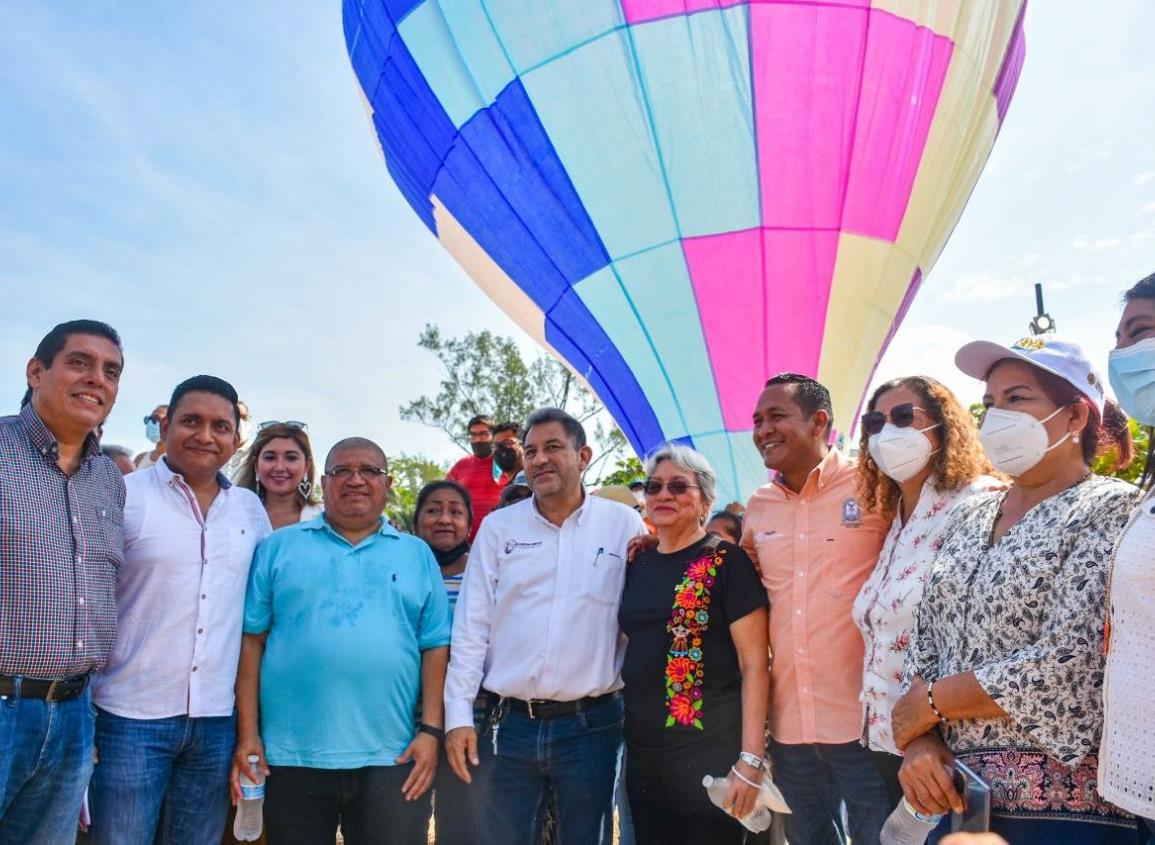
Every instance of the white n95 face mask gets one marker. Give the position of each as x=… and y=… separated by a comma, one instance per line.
x=1132, y=375
x=901, y=453
x=1015, y=441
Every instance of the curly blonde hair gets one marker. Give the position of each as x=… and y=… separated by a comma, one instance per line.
x=959, y=460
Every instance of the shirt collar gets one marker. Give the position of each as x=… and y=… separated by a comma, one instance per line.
x=826, y=470
x=579, y=515
x=45, y=441
x=320, y=523
x=168, y=476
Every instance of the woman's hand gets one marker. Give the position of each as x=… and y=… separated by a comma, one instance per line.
x=741, y=797
x=639, y=544
x=927, y=776
x=912, y=716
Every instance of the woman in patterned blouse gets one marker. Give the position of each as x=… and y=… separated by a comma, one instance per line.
x=921, y=459
x=1007, y=658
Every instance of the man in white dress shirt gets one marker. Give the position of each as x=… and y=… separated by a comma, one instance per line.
x=536, y=629
x=165, y=728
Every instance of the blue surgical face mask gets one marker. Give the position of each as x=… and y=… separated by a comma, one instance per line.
x=1132, y=375
x=152, y=431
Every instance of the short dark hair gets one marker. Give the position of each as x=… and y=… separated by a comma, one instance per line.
x=442, y=484
x=731, y=519
x=809, y=395
x=572, y=425
x=1142, y=289
x=507, y=426
x=111, y=450
x=480, y=419
x=206, y=384
x=55, y=340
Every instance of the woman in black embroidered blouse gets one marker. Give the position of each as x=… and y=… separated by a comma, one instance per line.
x=696, y=669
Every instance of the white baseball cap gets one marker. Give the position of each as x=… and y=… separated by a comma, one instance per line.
x=1059, y=357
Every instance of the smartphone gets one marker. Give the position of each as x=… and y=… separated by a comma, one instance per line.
x=976, y=795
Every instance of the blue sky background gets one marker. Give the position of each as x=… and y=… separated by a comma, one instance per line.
x=204, y=177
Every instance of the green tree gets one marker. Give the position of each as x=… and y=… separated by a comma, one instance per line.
x=410, y=473
x=486, y=374
x=1140, y=437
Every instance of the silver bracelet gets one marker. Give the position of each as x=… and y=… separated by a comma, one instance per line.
x=744, y=779
x=752, y=760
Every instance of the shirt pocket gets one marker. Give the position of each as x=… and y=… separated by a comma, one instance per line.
x=242, y=543
x=847, y=559
x=604, y=578
x=107, y=536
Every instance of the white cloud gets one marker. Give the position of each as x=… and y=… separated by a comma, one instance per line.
x=1096, y=245
x=986, y=287
x=1148, y=208
x=928, y=349
x=1144, y=178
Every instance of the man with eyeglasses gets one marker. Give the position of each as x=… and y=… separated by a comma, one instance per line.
x=346, y=621
x=815, y=547
x=165, y=728
x=536, y=630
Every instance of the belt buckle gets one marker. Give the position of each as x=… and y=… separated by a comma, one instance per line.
x=51, y=696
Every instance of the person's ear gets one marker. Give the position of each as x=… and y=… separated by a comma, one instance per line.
x=585, y=455
x=821, y=420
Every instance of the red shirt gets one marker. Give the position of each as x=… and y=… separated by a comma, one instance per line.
x=476, y=475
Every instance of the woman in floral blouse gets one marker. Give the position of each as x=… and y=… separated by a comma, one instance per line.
x=696, y=672
x=921, y=460
x=1007, y=658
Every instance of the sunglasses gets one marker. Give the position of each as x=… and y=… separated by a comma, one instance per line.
x=296, y=425
x=901, y=416
x=676, y=486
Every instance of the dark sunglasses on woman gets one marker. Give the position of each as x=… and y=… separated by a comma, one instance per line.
x=901, y=416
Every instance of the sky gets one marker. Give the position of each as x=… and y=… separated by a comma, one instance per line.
x=204, y=177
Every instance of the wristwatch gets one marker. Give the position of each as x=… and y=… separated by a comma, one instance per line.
x=752, y=760
x=436, y=733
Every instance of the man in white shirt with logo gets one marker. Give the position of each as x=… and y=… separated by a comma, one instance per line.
x=536, y=629
x=165, y=728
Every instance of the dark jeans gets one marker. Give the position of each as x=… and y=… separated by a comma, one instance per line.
x=452, y=810
x=303, y=806
x=45, y=763
x=669, y=804
x=816, y=778
x=161, y=780
x=575, y=755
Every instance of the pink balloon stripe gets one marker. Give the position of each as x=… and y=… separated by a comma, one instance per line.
x=762, y=296
x=638, y=11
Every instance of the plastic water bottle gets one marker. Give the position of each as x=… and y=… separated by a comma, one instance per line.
x=907, y=826
x=248, y=824
x=756, y=821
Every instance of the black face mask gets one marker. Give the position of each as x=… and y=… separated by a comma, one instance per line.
x=444, y=558
x=482, y=450
x=506, y=458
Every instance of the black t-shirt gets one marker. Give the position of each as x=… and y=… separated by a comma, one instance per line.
x=681, y=668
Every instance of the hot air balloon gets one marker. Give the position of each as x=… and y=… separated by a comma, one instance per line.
x=681, y=198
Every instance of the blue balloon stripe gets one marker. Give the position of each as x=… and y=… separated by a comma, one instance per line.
x=600, y=363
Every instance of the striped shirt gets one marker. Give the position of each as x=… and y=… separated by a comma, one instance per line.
x=61, y=547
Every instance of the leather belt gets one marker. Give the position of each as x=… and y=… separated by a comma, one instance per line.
x=543, y=708
x=63, y=689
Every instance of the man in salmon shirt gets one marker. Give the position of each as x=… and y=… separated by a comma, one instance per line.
x=815, y=548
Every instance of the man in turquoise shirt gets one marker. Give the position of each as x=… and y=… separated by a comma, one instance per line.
x=346, y=621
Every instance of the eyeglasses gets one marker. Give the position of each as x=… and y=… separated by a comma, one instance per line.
x=676, y=486
x=151, y=418
x=296, y=425
x=902, y=416
x=366, y=471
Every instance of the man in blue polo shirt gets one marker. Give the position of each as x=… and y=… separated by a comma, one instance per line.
x=345, y=622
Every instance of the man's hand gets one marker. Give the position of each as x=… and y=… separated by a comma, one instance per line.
x=461, y=745
x=639, y=544
x=246, y=746
x=912, y=716
x=423, y=752
x=927, y=776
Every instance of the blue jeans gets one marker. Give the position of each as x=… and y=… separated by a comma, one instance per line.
x=816, y=779
x=575, y=755
x=45, y=763
x=161, y=780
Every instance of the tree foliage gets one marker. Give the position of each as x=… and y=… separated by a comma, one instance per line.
x=410, y=473
x=486, y=374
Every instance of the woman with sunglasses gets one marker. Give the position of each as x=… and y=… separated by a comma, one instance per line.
x=696, y=672
x=280, y=469
x=1126, y=767
x=1005, y=667
x=920, y=459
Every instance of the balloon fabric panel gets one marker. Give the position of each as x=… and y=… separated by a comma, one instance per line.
x=680, y=198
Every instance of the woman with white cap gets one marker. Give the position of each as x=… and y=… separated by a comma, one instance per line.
x=1127, y=755
x=1006, y=662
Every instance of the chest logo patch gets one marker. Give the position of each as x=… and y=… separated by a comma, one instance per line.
x=512, y=546
x=851, y=514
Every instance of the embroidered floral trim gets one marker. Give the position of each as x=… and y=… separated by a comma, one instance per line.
x=688, y=621
x=1027, y=783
